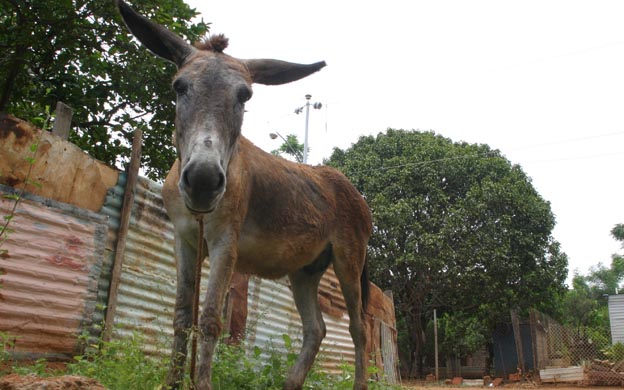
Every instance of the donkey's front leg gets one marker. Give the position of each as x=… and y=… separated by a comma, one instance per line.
x=222, y=261
x=186, y=257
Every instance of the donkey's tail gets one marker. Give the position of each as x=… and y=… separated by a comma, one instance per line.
x=364, y=287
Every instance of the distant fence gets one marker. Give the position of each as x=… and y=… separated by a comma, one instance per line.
x=559, y=349
x=55, y=280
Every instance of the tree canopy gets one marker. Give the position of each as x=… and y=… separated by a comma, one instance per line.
x=457, y=227
x=586, y=304
x=79, y=52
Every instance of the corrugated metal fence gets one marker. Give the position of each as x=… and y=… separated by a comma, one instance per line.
x=56, y=275
x=616, y=317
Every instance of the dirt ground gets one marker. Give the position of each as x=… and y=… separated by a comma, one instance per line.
x=17, y=382
x=68, y=382
x=414, y=385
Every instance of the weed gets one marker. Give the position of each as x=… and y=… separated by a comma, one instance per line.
x=6, y=345
x=120, y=364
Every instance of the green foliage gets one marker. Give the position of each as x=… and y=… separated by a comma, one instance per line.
x=290, y=147
x=266, y=369
x=120, y=364
x=39, y=368
x=6, y=345
x=463, y=334
x=615, y=353
x=81, y=52
x=618, y=233
x=456, y=227
x=585, y=305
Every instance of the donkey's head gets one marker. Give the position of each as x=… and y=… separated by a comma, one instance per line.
x=211, y=89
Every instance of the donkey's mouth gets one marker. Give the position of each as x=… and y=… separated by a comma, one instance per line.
x=198, y=212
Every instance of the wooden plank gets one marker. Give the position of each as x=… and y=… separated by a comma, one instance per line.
x=566, y=374
x=515, y=323
x=126, y=210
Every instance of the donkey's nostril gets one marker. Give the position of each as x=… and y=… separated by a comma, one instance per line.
x=185, y=179
x=220, y=181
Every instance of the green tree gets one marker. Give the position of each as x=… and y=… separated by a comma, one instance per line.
x=457, y=227
x=585, y=304
x=81, y=53
x=290, y=147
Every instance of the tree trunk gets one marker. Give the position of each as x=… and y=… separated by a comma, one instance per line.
x=417, y=336
x=17, y=63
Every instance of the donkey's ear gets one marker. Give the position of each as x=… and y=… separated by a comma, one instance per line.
x=274, y=72
x=155, y=37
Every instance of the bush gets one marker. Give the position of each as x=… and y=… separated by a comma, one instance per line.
x=120, y=364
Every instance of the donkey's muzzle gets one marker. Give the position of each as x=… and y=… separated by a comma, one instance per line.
x=202, y=185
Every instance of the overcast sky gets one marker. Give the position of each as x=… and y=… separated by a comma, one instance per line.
x=542, y=81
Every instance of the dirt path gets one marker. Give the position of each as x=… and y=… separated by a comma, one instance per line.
x=420, y=385
x=67, y=382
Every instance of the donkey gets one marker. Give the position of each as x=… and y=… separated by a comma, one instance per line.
x=261, y=214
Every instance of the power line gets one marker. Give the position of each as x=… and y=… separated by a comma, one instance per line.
x=495, y=154
x=569, y=140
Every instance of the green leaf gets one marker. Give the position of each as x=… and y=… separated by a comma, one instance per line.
x=287, y=341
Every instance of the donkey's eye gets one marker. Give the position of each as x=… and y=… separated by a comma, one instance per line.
x=243, y=94
x=180, y=87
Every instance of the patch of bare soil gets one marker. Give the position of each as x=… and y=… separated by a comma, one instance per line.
x=31, y=382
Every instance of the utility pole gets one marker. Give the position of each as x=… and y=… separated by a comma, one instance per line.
x=305, y=139
x=316, y=106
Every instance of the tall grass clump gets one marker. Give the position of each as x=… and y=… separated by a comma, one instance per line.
x=121, y=364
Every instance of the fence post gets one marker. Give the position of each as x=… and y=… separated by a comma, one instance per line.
x=515, y=323
x=435, y=343
x=62, y=120
x=533, y=322
x=126, y=211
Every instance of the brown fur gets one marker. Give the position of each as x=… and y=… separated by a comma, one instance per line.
x=216, y=43
x=261, y=214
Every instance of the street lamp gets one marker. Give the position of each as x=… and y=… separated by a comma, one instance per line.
x=316, y=106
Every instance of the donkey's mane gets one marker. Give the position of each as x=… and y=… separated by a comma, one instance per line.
x=216, y=43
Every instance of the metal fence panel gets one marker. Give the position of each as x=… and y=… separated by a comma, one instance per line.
x=147, y=288
x=49, y=275
x=616, y=317
x=272, y=313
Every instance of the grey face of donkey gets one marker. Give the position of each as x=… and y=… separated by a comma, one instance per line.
x=211, y=89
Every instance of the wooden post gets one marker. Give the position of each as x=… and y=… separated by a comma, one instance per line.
x=515, y=323
x=62, y=121
x=126, y=210
x=533, y=321
x=435, y=343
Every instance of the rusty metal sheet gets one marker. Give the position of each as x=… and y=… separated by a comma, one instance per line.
x=49, y=275
x=272, y=313
x=147, y=288
x=65, y=172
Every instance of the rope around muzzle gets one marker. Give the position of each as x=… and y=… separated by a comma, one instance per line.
x=195, y=325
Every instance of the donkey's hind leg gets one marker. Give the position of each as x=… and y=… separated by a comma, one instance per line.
x=305, y=292
x=349, y=264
